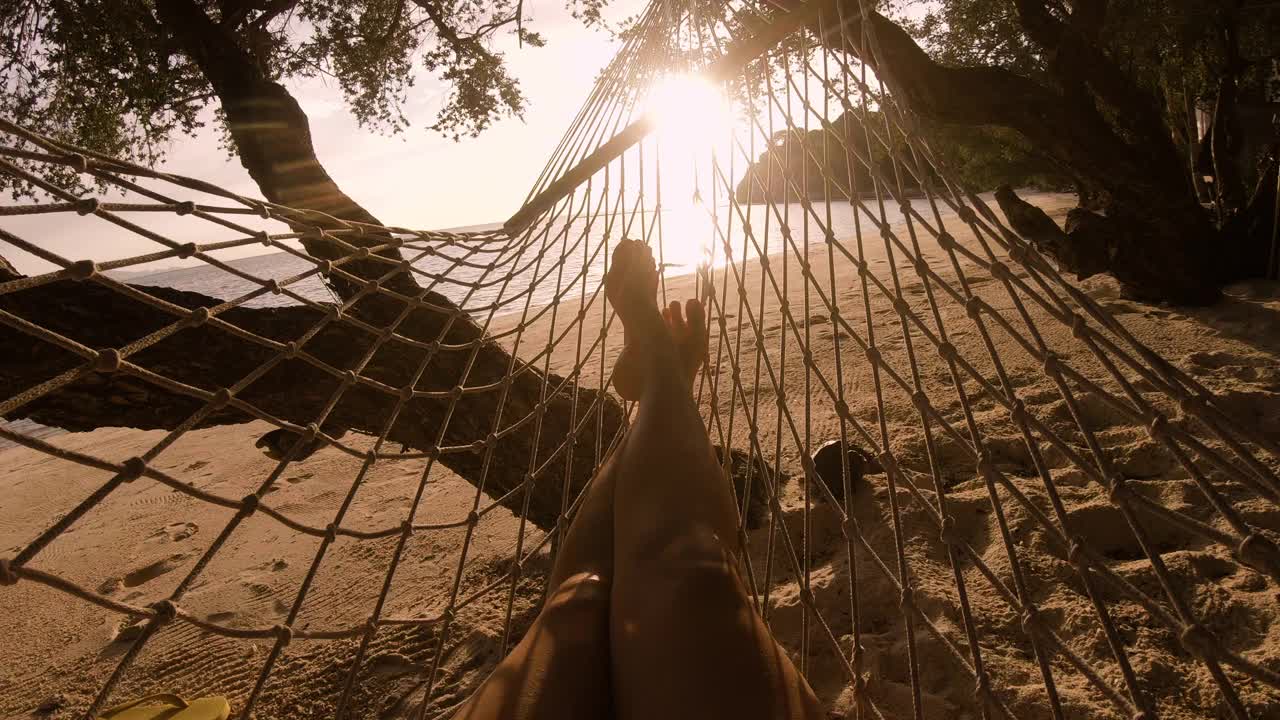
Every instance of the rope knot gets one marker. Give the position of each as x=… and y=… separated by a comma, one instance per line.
x=873, y=355
x=262, y=237
x=1158, y=427
x=8, y=576
x=1018, y=413
x=982, y=686
x=947, y=352
x=966, y=215
x=1018, y=254
x=1079, y=329
x=331, y=532
x=946, y=241
x=901, y=307
x=473, y=518
x=1052, y=365
x=249, y=504
x=1118, y=491
x=1258, y=551
x=986, y=467
x=999, y=270
x=274, y=286
x=350, y=378
x=284, y=634
x=82, y=270
x=186, y=207
x=948, y=533
x=221, y=398
x=406, y=393
x=87, y=206
x=326, y=267
x=921, y=266
x=335, y=313
x=973, y=307
x=850, y=527
x=1197, y=640
x=198, y=317
x=1076, y=554
x=888, y=462
x=1032, y=621
x=290, y=350
x=165, y=610
x=78, y=162
x=907, y=601
x=108, y=361
x=133, y=468
x=920, y=400
x=264, y=212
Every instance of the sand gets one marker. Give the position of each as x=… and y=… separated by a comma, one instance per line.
x=139, y=543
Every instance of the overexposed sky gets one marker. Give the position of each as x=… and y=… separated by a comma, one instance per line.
x=421, y=179
x=417, y=179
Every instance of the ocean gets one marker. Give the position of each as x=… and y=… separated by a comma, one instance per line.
x=686, y=236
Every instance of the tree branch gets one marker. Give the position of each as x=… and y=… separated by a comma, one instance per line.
x=273, y=140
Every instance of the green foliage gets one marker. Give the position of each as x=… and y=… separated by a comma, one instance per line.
x=1173, y=50
x=984, y=158
x=107, y=75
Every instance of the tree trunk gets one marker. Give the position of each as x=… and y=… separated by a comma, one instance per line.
x=1095, y=123
x=273, y=140
x=295, y=390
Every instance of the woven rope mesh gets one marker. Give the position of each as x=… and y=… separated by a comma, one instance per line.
x=999, y=547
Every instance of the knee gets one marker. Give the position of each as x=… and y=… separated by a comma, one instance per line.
x=577, y=607
x=697, y=566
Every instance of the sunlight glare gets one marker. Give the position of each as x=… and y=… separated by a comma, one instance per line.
x=693, y=118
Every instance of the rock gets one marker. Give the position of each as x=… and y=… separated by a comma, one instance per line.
x=52, y=704
x=827, y=462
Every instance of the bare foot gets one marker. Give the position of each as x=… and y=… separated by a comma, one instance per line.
x=630, y=287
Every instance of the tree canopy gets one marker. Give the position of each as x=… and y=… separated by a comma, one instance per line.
x=110, y=75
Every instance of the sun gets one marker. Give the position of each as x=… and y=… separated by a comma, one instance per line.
x=688, y=109
x=692, y=119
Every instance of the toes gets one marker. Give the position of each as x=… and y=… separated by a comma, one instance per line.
x=676, y=315
x=696, y=316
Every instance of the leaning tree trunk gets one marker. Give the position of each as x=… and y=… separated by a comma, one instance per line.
x=273, y=140
x=1094, y=122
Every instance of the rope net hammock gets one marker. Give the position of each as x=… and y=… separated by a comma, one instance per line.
x=973, y=570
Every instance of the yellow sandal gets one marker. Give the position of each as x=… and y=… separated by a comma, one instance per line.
x=166, y=706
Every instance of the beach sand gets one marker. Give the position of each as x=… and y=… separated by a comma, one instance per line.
x=144, y=538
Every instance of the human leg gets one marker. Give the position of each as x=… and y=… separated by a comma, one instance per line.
x=685, y=639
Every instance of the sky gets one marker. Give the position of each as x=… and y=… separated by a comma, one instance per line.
x=418, y=178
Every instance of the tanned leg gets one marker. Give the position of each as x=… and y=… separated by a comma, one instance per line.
x=685, y=639
x=560, y=669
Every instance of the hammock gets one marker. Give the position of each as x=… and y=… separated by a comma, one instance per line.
x=961, y=362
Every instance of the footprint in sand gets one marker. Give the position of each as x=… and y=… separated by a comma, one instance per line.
x=176, y=532
x=147, y=573
x=197, y=465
